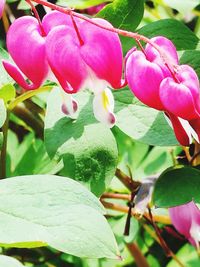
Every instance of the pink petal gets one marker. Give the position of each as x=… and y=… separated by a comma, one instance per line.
x=144, y=79
x=186, y=220
x=56, y=18
x=167, y=47
x=102, y=52
x=16, y=74
x=187, y=76
x=2, y=3
x=179, y=130
x=177, y=99
x=63, y=53
x=27, y=48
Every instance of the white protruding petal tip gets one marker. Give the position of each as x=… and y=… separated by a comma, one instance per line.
x=103, y=106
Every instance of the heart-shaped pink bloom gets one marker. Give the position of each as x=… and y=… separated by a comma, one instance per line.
x=26, y=45
x=186, y=220
x=144, y=78
x=145, y=71
x=95, y=63
x=2, y=3
x=182, y=97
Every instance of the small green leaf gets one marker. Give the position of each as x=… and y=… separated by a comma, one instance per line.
x=7, y=92
x=192, y=58
x=88, y=148
x=177, y=186
x=46, y=209
x=176, y=31
x=140, y=122
x=6, y=261
x=2, y=113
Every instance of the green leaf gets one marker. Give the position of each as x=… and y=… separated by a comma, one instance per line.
x=5, y=78
x=176, y=187
x=157, y=160
x=6, y=261
x=140, y=122
x=80, y=4
x=176, y=31
x=2, y=113
x=45, y=209
x=7, y=92
x=124, y=14
x=88, y=148
x=192, y=58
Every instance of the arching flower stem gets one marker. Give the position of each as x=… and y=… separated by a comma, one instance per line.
x=37, y=16
x=134, y=35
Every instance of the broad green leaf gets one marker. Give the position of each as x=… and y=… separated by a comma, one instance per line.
x=176, y=31
x=177, y=186
x=80, y=4
x=124, y=14
x=88, y=148
x=182, y=6
x=2, y=113
x=192, y=58
x=5, y=78
x=7, y=92
x=140, y=122
x=6, y=261
x=45, y=209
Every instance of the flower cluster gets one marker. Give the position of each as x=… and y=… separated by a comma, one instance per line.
x=77, y=53
x=81, y=55
x=164, y=85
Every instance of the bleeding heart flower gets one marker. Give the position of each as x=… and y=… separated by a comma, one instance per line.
x=145, y=71
x=186, y=220
x=86, y=57
x=26, y=45
x=182, y=96
x=2, y=4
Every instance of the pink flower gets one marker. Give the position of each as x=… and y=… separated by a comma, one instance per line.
x=173, y=89
x=87, y=57
x=2, y=3
x=186, y=220
x=181, y=96
x=145, y=71
x=26, y=45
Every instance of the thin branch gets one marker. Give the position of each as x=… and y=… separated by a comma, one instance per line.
x=139, y=258
x=157, y=218
x=127, y=181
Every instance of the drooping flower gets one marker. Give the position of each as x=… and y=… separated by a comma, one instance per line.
x=186, y=220
x=26, y=45
x=181, y=96
x=2, y=4
x=87, y=57
x=170, y=88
